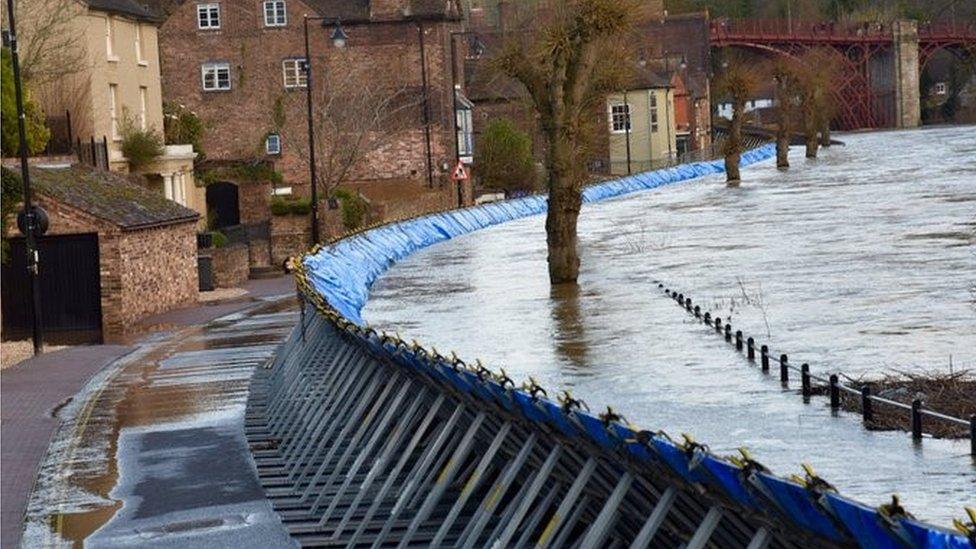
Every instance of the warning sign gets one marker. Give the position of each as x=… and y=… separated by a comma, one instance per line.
x=460, y=173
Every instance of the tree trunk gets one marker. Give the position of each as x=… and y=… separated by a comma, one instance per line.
x=733, y=151
x=782, y=151
x=812, y=144
x=561, y=220
x=825, y=134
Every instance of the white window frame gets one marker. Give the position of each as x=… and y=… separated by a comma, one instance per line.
x=278, y=13
x=208, y=16
x=113, y=110
x=276, y=148
x=619, y=116
x=215, y=67
x=293, y=73
x=941, y=88
x=653, y=114
x=143, y=114
x=110, y=39
x=139, y=58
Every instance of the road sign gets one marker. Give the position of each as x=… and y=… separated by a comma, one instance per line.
x=460, y=173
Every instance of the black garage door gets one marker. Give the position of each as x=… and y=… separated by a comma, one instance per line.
x=71, y=308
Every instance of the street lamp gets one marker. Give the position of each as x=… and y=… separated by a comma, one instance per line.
x=339, y=39
x=30, y=212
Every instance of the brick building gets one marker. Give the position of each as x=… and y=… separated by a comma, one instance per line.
x=114, y=253
x=239, y=64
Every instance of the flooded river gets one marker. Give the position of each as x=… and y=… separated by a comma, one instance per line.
x=861, y=262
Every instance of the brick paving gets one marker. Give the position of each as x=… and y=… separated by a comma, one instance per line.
x=32, y=391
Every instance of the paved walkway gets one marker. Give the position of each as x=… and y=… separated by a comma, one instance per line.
x=47, y=392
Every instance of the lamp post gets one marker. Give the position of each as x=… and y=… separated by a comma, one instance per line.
x=338, y=37
x=31, y=227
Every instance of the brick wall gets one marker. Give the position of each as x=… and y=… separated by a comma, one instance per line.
x=156, y=271
x=290, y=235
x=230, y=266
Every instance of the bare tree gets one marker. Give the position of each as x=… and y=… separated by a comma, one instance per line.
x=739, y=80
x=355, y=117
x=568, y=59
x=787, y=81
x=819, y=70
x=51, y=39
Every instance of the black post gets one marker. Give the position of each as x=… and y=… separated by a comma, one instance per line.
x=805, y=379
x=728, y=331
x=718, y=324
x=751, y=349
x=916, y=419
x=105, y=150
x=688, y=304
x=37, y=335
x=866, y=410
x=627, y=129
x=78, y=150
x=972, y=435
x=426, y=94
x=697, y=311
x=454, y=91
x=764, y=357
x=738, y=340
x=93, y=155
x=67, y=117
x=834, y=393
x=784, y=372
x=313, y=179
x=708, y=319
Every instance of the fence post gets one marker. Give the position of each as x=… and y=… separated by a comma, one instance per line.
x=708, y=319
x=688, y=304
x=67, y=117
x=78, y=150
x=764, y=355
x=94, y=160
x=697, y=311
x=805, y=379
x=718, y=324
x=751, y=349
x=834, y=393
x=681, y=299
x=866, y=411
x=738, y=340
x=728, y=331
x=105, y=150
x=916, y=419
x=784, y=373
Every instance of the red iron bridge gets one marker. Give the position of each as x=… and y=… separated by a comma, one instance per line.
x=882, y=62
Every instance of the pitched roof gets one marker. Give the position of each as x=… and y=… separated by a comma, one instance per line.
x=128, y=8
x=109, y=196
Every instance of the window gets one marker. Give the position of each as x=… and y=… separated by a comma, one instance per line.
x=216, y=76
x=619, y=117
x=274, y=13
x=654, y=112
x=139, y=58
x=208, y=16
x=465, y=128
x=143, y=123
x=110, y=39
x=941, y=88
x=295, y=73
x=113, y=110
x=272, y=144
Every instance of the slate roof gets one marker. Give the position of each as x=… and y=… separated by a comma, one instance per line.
x=109, y=196
x=128, y=8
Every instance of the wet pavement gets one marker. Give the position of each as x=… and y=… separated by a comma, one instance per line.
x=850, y=263
x=152, y=452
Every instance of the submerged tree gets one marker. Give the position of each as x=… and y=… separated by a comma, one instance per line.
x=819, y=71
x=740, y=81
x=787, y=81
x=571, y=56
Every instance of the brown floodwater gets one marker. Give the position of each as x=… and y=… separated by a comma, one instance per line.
x=860, y=262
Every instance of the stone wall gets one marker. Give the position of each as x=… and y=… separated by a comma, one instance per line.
x=231, y=266
x=290, y=235
x=157, y=272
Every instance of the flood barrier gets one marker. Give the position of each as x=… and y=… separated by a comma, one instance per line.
x=748, y=345
x=364, y=439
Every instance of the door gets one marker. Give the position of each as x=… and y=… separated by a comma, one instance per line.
x=71, y=296
x=222, y=203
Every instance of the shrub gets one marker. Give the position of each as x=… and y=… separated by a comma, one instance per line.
x=301, y=206
x=37, y=132
x=354, y=208
x=280, y=206
x=219, y=239
x=181, y=126
x=139, y=146
x=503, y=157
x=9, y=203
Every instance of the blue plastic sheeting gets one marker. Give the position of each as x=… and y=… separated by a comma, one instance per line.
x=343, y=273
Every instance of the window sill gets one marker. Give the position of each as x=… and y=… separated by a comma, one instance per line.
x=112, y=58
x=143, y=63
